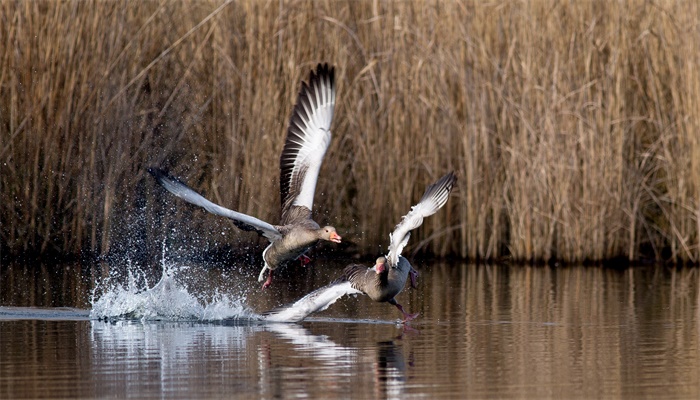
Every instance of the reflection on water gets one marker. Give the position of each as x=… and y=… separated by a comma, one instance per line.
x=484, y=331
x=273, y=360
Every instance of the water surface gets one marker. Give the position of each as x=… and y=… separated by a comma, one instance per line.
x=485, y=331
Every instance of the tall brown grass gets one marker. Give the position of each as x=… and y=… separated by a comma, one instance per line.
x=573, y=126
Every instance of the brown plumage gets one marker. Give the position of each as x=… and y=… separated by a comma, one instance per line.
x=380, y=283
x=308, y=138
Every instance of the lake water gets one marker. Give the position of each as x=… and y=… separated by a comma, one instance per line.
x=484, y=331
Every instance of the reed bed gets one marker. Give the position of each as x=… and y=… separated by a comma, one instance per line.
x=573, y=126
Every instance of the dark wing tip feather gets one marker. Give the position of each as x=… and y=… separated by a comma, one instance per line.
x=161, y=176
x=158, y=173
x=441, y=189
x=323, y=72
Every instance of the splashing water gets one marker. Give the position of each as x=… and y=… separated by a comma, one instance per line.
x=167, y=300
x=170, y=300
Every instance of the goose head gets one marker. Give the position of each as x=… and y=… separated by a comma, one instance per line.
x=380, y=265
x=328, y=233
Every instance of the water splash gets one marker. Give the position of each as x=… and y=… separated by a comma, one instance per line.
x=169, y=299
x=181, y=295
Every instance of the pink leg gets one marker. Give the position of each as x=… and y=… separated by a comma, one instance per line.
x=268, y=282
x=406, y=316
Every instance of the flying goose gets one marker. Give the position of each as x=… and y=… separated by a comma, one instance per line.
x=308, y=138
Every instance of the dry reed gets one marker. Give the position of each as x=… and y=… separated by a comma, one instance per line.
x=573, y=126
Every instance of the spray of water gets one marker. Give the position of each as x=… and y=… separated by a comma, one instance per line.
x=129, y=295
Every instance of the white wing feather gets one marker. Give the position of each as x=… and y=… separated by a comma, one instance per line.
x=308, y=138
x=184, y=192
x=318, y=300
x=433, y=199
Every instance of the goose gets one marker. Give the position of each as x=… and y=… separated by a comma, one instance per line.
x=308, y=138
x=387, y=278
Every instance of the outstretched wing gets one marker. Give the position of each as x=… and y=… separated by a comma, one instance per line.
x=433, y=199
x=308, y=137
x=242, y=221
x=318, y=300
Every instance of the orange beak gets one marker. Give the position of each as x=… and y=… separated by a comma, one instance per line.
x=335, y=237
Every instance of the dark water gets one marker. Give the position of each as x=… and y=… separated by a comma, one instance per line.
x=484, y=332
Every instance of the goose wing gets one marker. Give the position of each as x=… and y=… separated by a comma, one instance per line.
x=242, y=221
x=308, y=137
x=433, y=199
x=318, y=300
